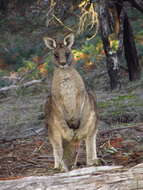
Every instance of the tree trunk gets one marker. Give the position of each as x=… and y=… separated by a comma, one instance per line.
x=113, y=69
x=130, y=51
x=112, y=58
x=4, y=6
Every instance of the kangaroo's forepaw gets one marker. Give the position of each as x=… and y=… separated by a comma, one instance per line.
x=69, y=134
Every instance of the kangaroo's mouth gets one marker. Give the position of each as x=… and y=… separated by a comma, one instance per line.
x=65, y=65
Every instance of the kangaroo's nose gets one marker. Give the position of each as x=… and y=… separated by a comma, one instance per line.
x=63, y=63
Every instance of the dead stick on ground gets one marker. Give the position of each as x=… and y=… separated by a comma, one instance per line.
x=27, y=84
x=137, y=127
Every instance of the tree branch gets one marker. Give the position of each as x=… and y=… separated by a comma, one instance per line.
x=27, y=84
x=138, y=4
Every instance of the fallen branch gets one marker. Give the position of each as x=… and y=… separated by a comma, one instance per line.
x=24, y=85
x=91, y=178
x=138, y=127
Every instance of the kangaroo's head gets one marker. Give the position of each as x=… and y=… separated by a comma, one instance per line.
x=61, y=50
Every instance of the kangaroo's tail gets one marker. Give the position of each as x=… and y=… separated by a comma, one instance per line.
x=71, y=153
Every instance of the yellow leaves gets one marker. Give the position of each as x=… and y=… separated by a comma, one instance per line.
x=78, y=55
x=90, y=55
x=37, y=59
x=42, y=69
x=114, y=42
x=89, y=65
x=83, y=3
x=99, y=48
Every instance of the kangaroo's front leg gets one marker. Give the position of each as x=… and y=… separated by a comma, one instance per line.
x=86, y=126
x=65, y=131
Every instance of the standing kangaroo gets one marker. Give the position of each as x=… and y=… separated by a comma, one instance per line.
x=70, y=110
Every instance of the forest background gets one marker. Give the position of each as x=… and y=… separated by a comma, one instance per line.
x=108, y=53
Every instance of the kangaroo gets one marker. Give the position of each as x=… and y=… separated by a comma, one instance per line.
x=71, y=114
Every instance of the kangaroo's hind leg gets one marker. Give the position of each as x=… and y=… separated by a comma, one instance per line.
x=57, y=145
x=91, y=153
x=91, y=150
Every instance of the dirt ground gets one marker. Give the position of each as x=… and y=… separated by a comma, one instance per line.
x=33, y=155
x=24, y=145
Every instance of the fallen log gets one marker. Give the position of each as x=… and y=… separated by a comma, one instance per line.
x=13, y=87
x=138, y=127
x=91, y=178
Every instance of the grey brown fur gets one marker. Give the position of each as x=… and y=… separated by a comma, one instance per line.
x=71, y=113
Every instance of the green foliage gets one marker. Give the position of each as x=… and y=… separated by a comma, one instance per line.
x=29, y=66
x=48, y=64
x=3, y=73
x=89, y=54
x=36, y=71
x=88, y=48
x=20, y=44
x=118, y=101
x=3, y=82
x=16, y=48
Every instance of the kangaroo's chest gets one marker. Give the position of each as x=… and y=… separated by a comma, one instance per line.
x=67, y=89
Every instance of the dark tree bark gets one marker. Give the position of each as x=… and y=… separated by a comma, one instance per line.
x=63, y=8
x=4, y=6
x=108, y=26
x=130, y=51
x=138, y=4
x=114, y=20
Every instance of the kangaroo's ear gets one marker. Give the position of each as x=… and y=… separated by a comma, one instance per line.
x=69, y=40
x=49, y=42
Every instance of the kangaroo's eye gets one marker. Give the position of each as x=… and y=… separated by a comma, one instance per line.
x=56, y=56
x=67, y=54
